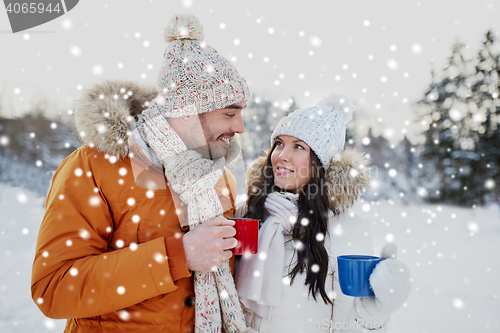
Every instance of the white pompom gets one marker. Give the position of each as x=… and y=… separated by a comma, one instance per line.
x=339, y=102
x=183, y=26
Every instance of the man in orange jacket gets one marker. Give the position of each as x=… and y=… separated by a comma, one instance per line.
x=114, y=251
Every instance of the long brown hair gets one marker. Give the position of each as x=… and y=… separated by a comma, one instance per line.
x=313, y=205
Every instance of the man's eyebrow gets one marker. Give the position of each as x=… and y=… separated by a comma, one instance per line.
x=234, y=106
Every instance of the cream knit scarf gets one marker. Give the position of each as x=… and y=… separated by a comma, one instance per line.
x=193, y=178
x=260, y=292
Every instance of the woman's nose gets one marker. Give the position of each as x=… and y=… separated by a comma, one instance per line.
x=284, y=155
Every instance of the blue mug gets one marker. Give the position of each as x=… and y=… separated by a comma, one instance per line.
x=354, y=273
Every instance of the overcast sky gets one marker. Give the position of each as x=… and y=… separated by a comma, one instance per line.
x=377, y=53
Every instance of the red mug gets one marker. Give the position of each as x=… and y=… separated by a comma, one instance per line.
x=247, y=235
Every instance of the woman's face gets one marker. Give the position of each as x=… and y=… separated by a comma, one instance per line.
x=291, y=162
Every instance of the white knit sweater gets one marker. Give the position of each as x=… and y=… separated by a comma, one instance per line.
x=347, y=234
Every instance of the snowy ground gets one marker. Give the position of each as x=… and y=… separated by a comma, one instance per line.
x=21, y=213
x=451, y=252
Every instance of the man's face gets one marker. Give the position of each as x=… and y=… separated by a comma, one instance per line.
x=218, y=127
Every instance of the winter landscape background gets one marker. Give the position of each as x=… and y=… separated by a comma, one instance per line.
x=424, y=76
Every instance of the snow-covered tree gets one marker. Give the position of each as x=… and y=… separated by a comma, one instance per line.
x=392, y=169
x=456, y=156
x=260, y=117
x=32, y=148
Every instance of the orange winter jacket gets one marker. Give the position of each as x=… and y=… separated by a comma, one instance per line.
x=109, y=256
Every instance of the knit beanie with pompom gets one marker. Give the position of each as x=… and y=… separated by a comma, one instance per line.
x=321, y=127
x=194, y=78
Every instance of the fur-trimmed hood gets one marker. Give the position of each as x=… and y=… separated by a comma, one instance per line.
x=106, y=114
x=345, y=179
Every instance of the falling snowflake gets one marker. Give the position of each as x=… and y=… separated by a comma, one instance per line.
x=416, y=48
x=84, y=234
x=422, y=192
x=298, y=245
x=455, y=115
x=473, y=227
x=97, y=70
x=159, y=258
x=94, y=200
x=75, y=50
x=124, y=315
x=22, y=198
x=392, y=64
x=286, y=281
x=489, y=184
x=4, y=140
x=458, y=303
x=338, y=230
x=49, y=323
x=67, y=24
x=315, y=41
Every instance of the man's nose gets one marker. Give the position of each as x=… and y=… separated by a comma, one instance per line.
x=237, y=125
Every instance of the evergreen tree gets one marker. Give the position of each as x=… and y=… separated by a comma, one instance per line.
x=260, y=118
x=459, y=156
x=486, y=91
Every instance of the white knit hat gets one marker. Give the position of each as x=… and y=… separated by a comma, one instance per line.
x=322, y=127
x=194, y=78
